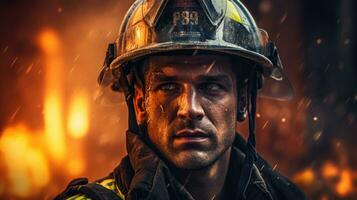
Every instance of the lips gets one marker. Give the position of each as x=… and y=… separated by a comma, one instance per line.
x=191, y=139
x=189, y=133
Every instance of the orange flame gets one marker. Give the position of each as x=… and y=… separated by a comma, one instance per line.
x=305, y=177
x=49, y=42
x=345, y=185
x=329, y=170
x=27, y=166
x=78, y=117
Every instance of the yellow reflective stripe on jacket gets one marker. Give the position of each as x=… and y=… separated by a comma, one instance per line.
x=232, y=12
x=78, y=197
x=110, y=184
x=107, y=183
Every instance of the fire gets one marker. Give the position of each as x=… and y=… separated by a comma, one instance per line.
x=76, y=166
x=345, y=186
x=305, y=177
x=54, y=132
x=53, y=127
x=27, y=166
x=49, y=41
x=78, y=117
x=329, y=170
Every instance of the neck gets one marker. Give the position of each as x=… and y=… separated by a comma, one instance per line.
x=206, y=183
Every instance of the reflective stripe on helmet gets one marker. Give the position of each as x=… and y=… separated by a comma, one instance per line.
x=233, y=13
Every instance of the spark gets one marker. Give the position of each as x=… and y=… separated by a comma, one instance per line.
x=214, y=196
x=210, y=67
x=59, y=10
x=29, y=68
x=301, y=102
x=315, y=118
x=5, y=49
x=283, y=119
x=317, y=135
x=308, y=103
x=275, y=166
x=13, y=62
x=347, y=41
x=282, y=20
x=15, y=113
x=258, y=115
x=265, y=125
x=76, y=59
x=319, y=41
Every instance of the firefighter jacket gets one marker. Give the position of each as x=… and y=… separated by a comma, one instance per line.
x=143, y=175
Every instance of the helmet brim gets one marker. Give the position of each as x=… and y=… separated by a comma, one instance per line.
x=274, y=88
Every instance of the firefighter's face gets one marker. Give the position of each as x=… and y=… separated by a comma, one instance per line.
x=189, y=107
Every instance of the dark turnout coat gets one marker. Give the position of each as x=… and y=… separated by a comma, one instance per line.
x=143, y=175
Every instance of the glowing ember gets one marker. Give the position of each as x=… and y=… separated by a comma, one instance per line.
x=319, y=41
x=78, y=117
x=305, y=177
x=329, y=170
x=317, y=135
x=344, y=186
x=315, y=118
x=49, y=42
x=283, y=119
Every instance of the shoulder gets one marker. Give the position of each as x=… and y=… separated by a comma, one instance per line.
x=280, y=186
x=80, y=189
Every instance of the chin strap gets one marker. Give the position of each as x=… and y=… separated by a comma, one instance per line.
x=129, y=98
x=251, y=154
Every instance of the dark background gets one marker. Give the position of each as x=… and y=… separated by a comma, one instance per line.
x=310, y=139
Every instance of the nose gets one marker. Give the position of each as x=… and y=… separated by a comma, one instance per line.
x=189, y=105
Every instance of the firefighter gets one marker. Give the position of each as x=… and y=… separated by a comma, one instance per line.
x=189, y=71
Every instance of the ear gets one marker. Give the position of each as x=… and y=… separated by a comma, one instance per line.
x=139, y=106
x=242, y=103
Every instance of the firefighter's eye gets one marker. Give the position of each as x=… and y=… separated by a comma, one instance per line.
x=211, y=87
x=168, y=87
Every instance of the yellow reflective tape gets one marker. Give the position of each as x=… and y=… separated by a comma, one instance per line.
x=111, y=185
x=108, y=183
x=78, y=197
x=233, y=13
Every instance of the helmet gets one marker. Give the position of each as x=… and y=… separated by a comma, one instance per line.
x=220, y=26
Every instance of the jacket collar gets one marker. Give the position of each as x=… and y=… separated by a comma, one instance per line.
x=143, y=175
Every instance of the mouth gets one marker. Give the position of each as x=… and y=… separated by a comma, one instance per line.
x=191, y=133
x=186, y=136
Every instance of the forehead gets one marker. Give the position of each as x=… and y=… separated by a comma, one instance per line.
x=189, y=65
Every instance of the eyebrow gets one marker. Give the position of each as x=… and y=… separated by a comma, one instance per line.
x=215, y=78
x=159, y=77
